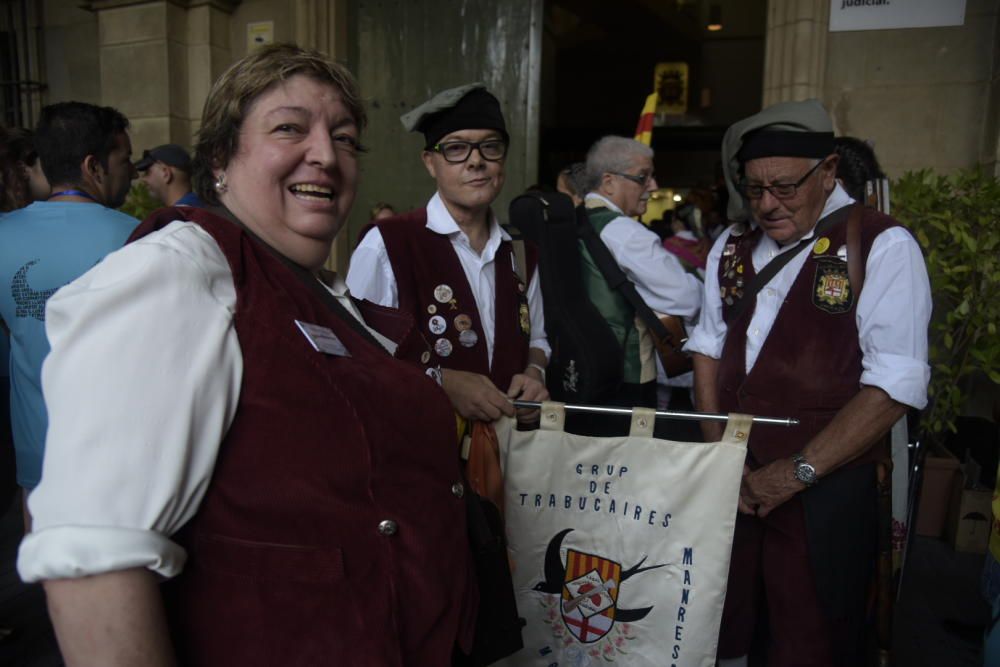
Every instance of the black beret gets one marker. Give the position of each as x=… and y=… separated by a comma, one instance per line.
x=785, y=143
x=469, y=107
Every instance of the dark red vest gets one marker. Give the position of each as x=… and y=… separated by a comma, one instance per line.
x=810, y=364
x=422, y=261
x=286, y=561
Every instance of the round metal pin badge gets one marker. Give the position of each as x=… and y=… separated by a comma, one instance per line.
x=443, y=293
x=443, y=347
x=437, y=325
x=468, y=338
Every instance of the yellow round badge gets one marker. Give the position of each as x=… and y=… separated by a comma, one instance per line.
x=821, y=246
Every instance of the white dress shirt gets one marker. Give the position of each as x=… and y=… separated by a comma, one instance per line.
x=141, y=386
x=370, y=274
x=892, y=314
x=659, y=277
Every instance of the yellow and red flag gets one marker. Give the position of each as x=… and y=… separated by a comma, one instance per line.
x=644, y=130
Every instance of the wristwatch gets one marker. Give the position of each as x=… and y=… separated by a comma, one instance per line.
x=804, y=471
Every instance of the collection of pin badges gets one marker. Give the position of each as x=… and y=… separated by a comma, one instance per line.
x=524, y=318
x=438, y=323
x=832, y=287
x=732, y=268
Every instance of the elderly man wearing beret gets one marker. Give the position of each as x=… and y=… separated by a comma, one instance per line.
x=816, y=308
x=455, y=269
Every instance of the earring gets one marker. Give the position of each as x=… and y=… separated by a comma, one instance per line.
x=220, y=183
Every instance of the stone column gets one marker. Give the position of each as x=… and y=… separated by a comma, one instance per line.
x=157, y=61
x=321, y=25
x=795, y=49
x=208, y=51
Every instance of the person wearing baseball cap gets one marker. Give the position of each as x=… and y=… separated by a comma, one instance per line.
x=454, y=269
x=166, y=171
x=816, y=308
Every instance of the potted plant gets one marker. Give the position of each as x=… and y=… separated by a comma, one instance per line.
x=956, y=220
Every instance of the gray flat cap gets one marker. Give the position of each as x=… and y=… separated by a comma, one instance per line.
x=446, y=99
x=806, y=116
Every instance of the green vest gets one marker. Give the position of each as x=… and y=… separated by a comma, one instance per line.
x=616, y=311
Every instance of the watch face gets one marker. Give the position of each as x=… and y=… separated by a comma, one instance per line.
x=805, y=473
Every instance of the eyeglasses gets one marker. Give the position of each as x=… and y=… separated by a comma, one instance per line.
x=777, y=190
x=639, y=179
x=493, y=150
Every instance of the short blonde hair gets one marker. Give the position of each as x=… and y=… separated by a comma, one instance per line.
x=238, y=88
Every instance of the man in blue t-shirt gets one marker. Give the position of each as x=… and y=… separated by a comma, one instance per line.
x=87, y=157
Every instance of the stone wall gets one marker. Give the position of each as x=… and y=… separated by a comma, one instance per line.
x=157, y=62
x=71, y=62
x=927, y=97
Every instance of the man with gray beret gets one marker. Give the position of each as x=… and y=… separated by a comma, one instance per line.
x=453, y=267
x=816, y=308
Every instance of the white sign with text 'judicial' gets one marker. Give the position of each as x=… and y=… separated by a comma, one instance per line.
x=886, y=14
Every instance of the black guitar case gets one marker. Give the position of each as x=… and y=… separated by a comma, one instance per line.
x=586, y=363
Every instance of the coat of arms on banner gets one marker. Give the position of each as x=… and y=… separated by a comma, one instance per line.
x=589, y=589
x=589, y=595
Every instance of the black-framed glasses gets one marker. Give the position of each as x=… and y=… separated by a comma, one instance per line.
x=777, y=190
x=639, y=179
x=493, y=150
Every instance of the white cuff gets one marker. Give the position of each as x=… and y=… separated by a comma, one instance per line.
x=66, y=552
x=903, y=378
x=700, y=342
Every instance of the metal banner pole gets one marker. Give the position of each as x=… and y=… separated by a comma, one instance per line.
x=661, y=414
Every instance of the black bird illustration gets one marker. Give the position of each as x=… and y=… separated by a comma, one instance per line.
x=555, y=575
x=633, y=615
x=29, y=302
x=555, y=571
x=636, y=569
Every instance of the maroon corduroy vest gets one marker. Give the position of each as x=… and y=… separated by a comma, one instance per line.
x=287, y=564
x=810, y=364
x=427, y=270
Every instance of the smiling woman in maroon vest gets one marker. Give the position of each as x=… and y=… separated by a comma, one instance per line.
x=252, y=439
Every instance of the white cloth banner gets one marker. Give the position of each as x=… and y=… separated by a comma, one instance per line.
x=620, y=546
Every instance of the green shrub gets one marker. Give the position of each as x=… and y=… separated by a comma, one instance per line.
x=956, y=219
x=140, y=203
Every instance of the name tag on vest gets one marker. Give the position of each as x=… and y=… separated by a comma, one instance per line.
x=322, y=339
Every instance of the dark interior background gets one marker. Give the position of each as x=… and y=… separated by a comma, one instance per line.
x=597, y=68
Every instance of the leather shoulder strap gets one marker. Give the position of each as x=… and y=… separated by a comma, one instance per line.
x=855, y=262
x=616, y=278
